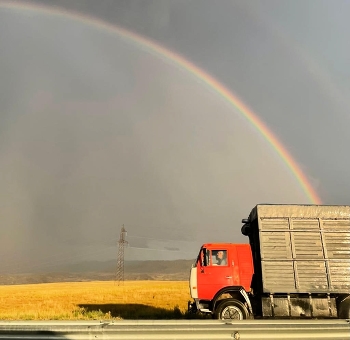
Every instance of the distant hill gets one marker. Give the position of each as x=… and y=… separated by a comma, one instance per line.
x=177, y=270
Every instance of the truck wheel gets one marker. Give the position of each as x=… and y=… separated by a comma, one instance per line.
x=231, y=310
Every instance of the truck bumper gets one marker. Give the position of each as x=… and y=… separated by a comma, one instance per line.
x=192, y=307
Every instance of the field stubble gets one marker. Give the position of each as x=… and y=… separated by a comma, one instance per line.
x=95, y=300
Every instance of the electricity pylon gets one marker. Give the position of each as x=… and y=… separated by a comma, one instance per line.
x=120, y=260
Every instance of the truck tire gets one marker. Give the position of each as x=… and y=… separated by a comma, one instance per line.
x=231, y=309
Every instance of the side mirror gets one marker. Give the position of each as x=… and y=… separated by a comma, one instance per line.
x=246, y=229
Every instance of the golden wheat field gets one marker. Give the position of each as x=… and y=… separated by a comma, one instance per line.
x=95, y=300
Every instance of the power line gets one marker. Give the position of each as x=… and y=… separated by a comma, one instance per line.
x=158, y=239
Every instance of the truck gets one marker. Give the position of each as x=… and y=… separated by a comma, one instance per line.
x=296, y=265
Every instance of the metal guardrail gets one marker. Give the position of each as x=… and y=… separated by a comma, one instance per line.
x=177, y=329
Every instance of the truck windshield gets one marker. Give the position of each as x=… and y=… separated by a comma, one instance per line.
x=206, y=257
x=203, y=257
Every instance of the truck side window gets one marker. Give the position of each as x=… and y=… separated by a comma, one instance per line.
x=219, y=257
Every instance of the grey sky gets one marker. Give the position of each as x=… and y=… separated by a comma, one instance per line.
x=96, y=132
x=288, y=60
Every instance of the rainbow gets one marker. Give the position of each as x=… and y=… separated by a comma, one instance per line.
x=185, y=64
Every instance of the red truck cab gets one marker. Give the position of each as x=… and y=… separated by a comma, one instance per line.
x=222, y=271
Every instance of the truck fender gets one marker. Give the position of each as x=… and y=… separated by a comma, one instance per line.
x=229, y=289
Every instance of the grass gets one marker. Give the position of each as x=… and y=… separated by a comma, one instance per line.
x=95, y=300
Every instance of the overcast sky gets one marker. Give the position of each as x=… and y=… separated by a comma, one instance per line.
x=97, y=132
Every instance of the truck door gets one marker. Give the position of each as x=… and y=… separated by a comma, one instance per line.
x=214, y=272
